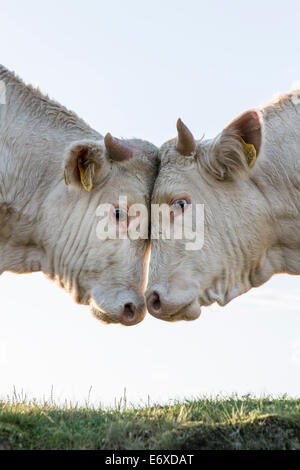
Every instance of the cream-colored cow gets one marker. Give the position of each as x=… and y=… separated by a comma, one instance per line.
x=248, y=179
x=48, y=226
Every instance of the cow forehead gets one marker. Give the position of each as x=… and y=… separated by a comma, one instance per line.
x=143, y=167
x=172, y=183
x=135, y=180
x=180, y=175
x=176, y=172
x=144, y=151
x=168, y=152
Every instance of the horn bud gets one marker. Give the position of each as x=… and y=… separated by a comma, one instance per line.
x=118, y=150
x=186, y=144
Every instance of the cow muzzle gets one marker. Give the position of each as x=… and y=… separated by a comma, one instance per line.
x=130, y=315
x=165, y=310
x=127, y=310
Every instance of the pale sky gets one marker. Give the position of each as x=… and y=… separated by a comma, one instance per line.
x=132, y=68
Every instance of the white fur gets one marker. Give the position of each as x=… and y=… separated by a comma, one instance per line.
x=252, y=220
x=50, y=227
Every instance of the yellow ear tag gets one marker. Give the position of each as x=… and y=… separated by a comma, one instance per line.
x=87, y=185
x=65, y=178
x=250, y=153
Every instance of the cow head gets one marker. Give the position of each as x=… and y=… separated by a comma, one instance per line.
x=238, y=228
x=108, y=274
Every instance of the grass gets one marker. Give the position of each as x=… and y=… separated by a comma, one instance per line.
x=230, y=423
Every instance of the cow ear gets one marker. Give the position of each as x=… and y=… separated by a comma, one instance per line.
x=83, y=162
x=236, y=149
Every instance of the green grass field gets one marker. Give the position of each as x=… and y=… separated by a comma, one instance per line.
x=231, y=423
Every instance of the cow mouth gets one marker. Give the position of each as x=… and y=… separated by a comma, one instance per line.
x=188, y=312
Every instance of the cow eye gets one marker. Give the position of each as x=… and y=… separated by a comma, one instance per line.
x=120, y=214
x=180, y=205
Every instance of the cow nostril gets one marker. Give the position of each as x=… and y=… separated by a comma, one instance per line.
x=129, y=312
x=154, y=302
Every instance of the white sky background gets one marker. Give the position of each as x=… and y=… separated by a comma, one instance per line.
x=132, y=68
